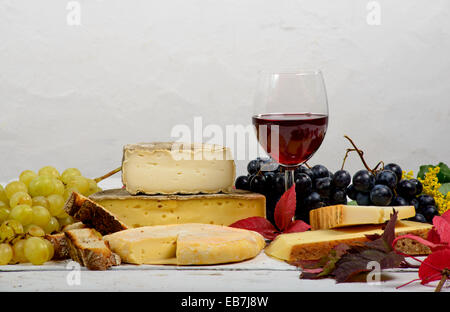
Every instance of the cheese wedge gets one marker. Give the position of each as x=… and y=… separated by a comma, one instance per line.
x=185, y=244
x=312, y=245
x=343, y=215
x=145, y=210
x=176, y=168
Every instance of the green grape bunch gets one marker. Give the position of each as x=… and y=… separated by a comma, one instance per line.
x=33, y=206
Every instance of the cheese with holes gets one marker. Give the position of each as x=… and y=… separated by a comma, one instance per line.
x=312, y=245
x=144, y=210
x=185, y=244
x=176, y=168
x=343, y=215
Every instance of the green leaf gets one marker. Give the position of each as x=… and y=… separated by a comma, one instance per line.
x=422, y=170
x=352, y=203
x=445, y=188
x=444, y=173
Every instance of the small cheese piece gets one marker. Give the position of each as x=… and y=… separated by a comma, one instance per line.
x=312, y=245
x=343, y=215
x=185, y=244
x=144, y=210
x=177, y=168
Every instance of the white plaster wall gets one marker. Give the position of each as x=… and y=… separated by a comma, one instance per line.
x=72, y=96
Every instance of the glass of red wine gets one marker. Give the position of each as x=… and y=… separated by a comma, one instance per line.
x=291, y=117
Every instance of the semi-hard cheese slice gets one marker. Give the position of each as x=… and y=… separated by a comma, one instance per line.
x=144, y=210
x=185, y=244
x=176, y=168
x=312, y=245
x=343, y=215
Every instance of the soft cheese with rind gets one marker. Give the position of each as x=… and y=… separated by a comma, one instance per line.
x=185, y=244
x=145, y=210
x=345, y=215
x=312, y=245
x=177, y=168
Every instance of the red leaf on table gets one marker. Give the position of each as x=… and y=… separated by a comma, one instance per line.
x=432, y=267
x=297, y=226
x=442, y=227
x=285, y=209
x=257, y=224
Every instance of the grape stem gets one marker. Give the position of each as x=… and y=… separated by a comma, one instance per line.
x=107, y=175
x=445, y=276
x=360, y=153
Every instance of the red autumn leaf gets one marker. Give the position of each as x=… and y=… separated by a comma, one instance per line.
x=442, y=227
x=297, y=226
x=431, y=269
x=285, y=209
x=257, y=224
x=433, y=236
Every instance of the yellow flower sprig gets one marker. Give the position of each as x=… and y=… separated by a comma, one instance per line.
x=431, y=187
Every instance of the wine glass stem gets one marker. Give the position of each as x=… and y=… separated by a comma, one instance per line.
x=288, y=178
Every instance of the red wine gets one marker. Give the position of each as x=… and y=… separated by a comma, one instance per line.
x=298, y=135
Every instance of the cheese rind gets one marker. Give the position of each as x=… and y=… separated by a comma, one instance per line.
x=185, y=244
x=312, y=245
x=176, y=168
x=346, y=215
x=146, y=210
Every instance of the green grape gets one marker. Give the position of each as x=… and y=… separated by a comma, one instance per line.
x=92, y=187
x=26, y=176
x=80, y=183
x=20, y=198
x=62, y=215
x=41, y=216
x=4, y=213
x=36, y=250
x=51, y=249
x=65, y=221
x=40, y=201
x=42, y=186
x=15, y=225
x=56, y=204
x=22, y=213
x=18, y=248
x=14, y=187
x=3, y=196
x=69, y=192
x=49, y=171
x=6, y=233
x=6, y=253
x=52, y=226
x=69, y=173
x=59, y=187
x=34, y=230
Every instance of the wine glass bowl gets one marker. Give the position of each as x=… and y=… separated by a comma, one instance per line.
x=291, y=117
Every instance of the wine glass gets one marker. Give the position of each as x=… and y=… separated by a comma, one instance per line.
x=290, y=117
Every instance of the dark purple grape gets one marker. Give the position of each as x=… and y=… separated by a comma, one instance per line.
x=303, y=184
x=341, y=179
x=419, y=218
x=406, y=189
x=323, y=186
x=278, y=186
x=414, y=202
x=425, y=200
x=429, y=212
x=381, y=195
x=253, y=166
x=399, y=201
x=363, y=199
x=395, y=169
x=363, y=181
x=320, y=171
x=351, y=192
x=258, y=184
x=243, y=183
x=387, y=178
x=313, y=201
x=418, y=185
x=339, y=197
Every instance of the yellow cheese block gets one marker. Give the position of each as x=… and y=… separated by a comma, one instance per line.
x=177, y=168
x=343, y=215
x=145, y=210
x=312, y=245
x=185, y=244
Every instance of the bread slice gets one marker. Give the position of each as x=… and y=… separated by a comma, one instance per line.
x=92, y=214
x=60, y=246
x=87, y=247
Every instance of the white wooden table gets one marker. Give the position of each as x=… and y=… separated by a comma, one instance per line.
x=261, y=274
